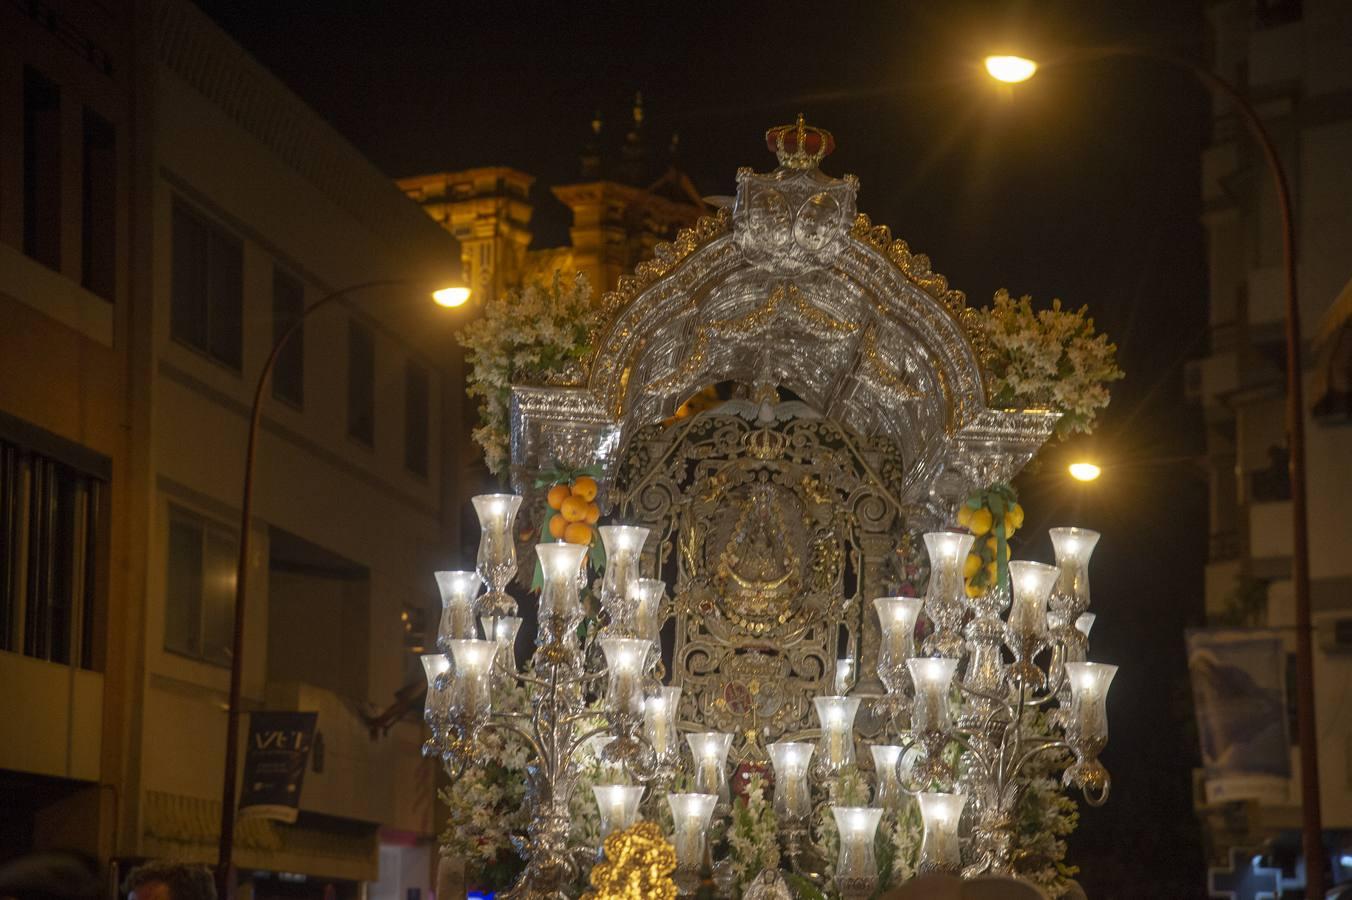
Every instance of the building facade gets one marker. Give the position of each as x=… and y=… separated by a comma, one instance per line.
x=1291, y=58
x=627, y=199
x=127, y=375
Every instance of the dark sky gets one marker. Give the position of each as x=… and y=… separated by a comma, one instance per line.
x=1082, y=184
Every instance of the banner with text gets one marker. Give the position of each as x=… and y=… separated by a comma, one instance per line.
x=274, y=764
x=1239, y=691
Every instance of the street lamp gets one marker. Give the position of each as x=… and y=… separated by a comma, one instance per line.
x=1084, y=471
x=1004, y=69
x=446, y=296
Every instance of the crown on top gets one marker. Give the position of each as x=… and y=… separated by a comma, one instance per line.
x=800, y=146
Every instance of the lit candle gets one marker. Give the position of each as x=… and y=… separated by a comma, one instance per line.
x=1073, y=548
x=857, y=865
x=496, y=562
x=659, y=719
x=690, y=815
x=933, y=676
x=889, y=793
x=1089, y=683
x=623, y=545
x=624, y=683
x=503, y=630
x=790, y=760
x=947, y=552
x=1032, y=583
x=1085, y=623
x=844, y=675
x=710, y=750
x=618, y=804
x=472, y=698
x=560, y=609
x=896, y=619
x=438, y=693
x=836, y=717
x=458, y=590
x=939, y=848
x=648, y=594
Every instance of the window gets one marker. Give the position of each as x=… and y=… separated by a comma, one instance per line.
x=288, y=305
x=98, y=207
x=417, y=400
x=49, y=545
x=208, y=287
x=199, y=603
x=361, y=383
x=41, y=168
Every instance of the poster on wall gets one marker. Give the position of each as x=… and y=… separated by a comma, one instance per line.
x=1239, y=692
x=274, y=764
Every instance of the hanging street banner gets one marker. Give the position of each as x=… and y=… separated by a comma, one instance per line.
x=274, y=764
x=1239, y=691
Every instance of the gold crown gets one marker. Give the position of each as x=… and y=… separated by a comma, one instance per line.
x=765, y=444
x=799, y=146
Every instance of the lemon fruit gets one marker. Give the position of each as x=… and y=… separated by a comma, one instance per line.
x=573, y=508
x=981, y=521
x=593, y=513
x=556, y=526
x=971, y=565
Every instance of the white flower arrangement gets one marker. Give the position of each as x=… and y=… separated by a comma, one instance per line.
x=1050, y=358
x=753, y=838
x=524, y=336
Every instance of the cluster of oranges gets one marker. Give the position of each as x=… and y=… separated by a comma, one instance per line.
x=574, y=510
x=981, y=568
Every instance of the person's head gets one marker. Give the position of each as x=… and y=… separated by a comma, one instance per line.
x=169, y=881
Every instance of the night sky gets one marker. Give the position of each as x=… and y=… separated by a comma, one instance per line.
x=1082, y=184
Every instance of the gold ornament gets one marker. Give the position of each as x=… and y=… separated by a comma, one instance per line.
x=638, y=866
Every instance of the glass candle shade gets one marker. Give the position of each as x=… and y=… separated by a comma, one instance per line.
x=618, y=804
x=472, y=692
x=624, y=547
x=624, y=679
x=502, y=630
x=1032, y=583
x=857, y=826
x=896, y=619
x=496, y=562
x=889, y=793
x=710, y=750
x=438, y=692
x=458, y=592
x=790, y=760
x=946, y=596
x=560, y=608
x=1085, y=623
x=844, y=675
x=596, y=746
x=1070, y=597
x=690, y=815
x=659, y=721
x=1088, y=721
x=835, y=748
x=933, y=676
x=939, y=848
x=647, y=596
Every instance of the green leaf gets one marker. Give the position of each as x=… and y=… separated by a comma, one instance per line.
x=802, y=888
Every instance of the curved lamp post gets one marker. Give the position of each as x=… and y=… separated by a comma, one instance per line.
x=1014, y=69
x=448, y=297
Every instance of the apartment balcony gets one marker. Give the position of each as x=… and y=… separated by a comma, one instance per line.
x=58, y=711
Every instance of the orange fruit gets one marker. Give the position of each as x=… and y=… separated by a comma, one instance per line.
x=585, y=487
x=573, y=508
x=577, y=533
x=593, y=513
x=557, y=494
x=556, y=526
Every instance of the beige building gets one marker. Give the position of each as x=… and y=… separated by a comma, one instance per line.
x=1292, y=59
x=125, y=384
x=628, y=198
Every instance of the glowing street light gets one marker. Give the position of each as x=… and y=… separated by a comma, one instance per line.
x=1010, y=69
x=1084, y=471
x=451, y=297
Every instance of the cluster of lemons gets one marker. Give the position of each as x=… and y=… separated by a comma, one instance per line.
x=981, y=569
x=573, y=511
